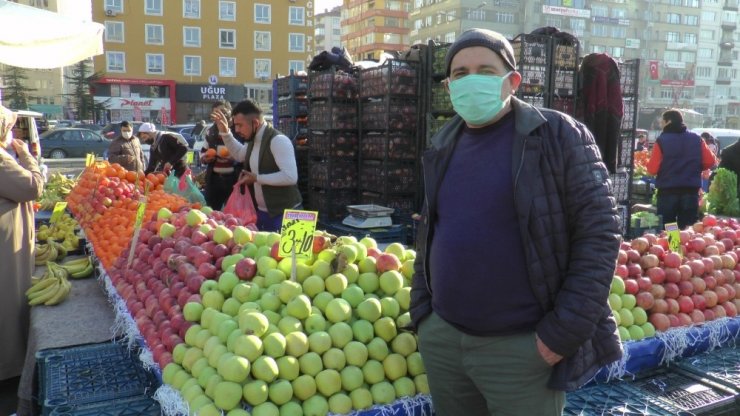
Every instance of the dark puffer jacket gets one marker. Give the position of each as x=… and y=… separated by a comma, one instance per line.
x=570, y=228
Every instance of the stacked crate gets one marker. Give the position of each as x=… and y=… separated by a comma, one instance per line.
x=439, y=107
x=390, y=123
x=333, y=142
x=629, y=72
x=534, y=62
x=290, y=115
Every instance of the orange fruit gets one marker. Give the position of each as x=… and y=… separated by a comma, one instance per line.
x=211, y=153
x=223, y=151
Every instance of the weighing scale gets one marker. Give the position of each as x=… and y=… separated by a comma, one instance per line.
x=368, y=216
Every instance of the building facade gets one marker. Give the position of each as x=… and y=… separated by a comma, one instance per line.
x=370, y=28
x=169, y=61
x=328, y=30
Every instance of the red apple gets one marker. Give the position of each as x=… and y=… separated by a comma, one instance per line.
x=644, y=284
x=220, y=251
x=246, y=268
x=684, y=319
x=710, y=282
x=719, y=311
x=658, y=251
x=660, y=321
x=699, y=284
x=659, y=306
x=631, y=286
x=645, y=300
x=671, y=290
x=711, y=298
x=320, y=242
x=722, y=294
x=633, y=256
x=698, y=267
x=730, y=309
x=675, y=322
x=673, y=307
x=388, y=261
x=697, y=244
x=685, y=304
x=640, y=244
x=685, y=288
x=672, y=260
x=375, y=253
x=697, y=316
x=670, y=275
x=634, y=270
x=194, y=282
x=657, y=275
x=709, y=315
x=621, y=271
x=649, y=260
x=207, y=270
x=658, y=291
x=699, y=302
x=687, y=271
x=621, y=257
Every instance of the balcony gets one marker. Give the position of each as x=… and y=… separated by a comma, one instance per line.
x=730, y=5
x=726, y=44
x=723, y=80
x=724, y=61
x=729, y=25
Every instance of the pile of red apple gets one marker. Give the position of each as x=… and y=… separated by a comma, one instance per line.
x=702, y=285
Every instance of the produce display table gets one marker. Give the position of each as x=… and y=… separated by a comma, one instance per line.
x=84, y=318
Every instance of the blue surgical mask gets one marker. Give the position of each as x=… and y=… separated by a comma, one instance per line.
x=477, y=98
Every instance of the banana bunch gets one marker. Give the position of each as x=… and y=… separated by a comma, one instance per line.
x=63, y=229
x=56, y=190
x=51, y=288
x=46, y=252
x=78, y=268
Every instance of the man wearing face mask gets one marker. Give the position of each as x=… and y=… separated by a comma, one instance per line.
x=269, y=162
x=126, y=150
x=167, y=152
x=520, y=196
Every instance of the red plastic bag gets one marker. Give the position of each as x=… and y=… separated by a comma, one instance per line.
x=240, y=205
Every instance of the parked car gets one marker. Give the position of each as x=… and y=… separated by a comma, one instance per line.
x=67, y=142
x=94, y=127
x=185, y=131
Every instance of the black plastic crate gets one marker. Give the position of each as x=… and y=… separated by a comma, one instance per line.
x=384, y=235
x=721, y=365
x=394, y=77
x=292, y=107
x=437, y=53
x=628, y=119
x=614, y=399
x=327, y=115
x=687, y=393
x=331, y=144
x=293, y=128
x=386, y=177
x=404, y=205
x=620, y=185
x=623, y=211
x=333, y=174
x=629, y=72
x=395, y=145
x=626, y=149
x=90, y=374
x=532, y=50
x=435, y=124
x=134, y=406
x=564, y=105
x=390, y=113
x=292, y=85
x=331, y=203
x=441, y=102
x=565, y=54
x=332, y=84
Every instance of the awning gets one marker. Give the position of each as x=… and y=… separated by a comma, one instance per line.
x=46, y=108
x=37, y=38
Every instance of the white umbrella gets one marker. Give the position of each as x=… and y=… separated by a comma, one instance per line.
x=36, y=38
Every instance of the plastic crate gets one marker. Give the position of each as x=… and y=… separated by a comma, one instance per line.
x=396, y=145
x=624, y=218
x=688, y=394
x=293, y=128
x=384, y=235
x=325, y=115
x=437, y=58
x=388, y=178
x=626, y=149
x=394, y=77
x=134, y=406
x=620, y=185
x=292, y=107
x=333, y=174
x=436, y=124
x=292, y=85
x=629, y=72
x=90, y=374
x=330, y=144
x=331, y=203
x=389, y=113
x=614, y=399
x=564, y=105
x=441, y=102
x=403, y=205
x=721, y=366
x=332, y=84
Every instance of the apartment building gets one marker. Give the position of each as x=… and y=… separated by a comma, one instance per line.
x=327, y=30
x=442, y=21
x=167, y=61
x=371, y=27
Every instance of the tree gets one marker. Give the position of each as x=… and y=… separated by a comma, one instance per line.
x=81, y=99
x=16, y=93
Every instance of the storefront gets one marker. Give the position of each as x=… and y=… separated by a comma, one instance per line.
x=194, y=100
x=137, y=99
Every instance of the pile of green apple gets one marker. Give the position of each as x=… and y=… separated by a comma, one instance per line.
x=632, y=320
x=332, y=340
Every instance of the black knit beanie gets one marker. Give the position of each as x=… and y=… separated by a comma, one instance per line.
x=482, y=37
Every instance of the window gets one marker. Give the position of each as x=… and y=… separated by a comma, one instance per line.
x=691, y=3
x=598, y=49
x=615, y=51
x=114, y=32
x=153, y=7
x=297, y=42
x=296, y=66
x=504, y=17
x=702, y=91
x=297, y=16
x=114, y=5
x=450, y=37
x=619, y=13
x=227, y=67
x=154, y=63
x=691, y=20
x=619, y=32
x=666, y=93
x=705, y=53
x=115, y=61
x=191, y=37
x=191, y=65
x=154, y=34
x=227, y=10
x=553, y=21
x=688, y=57
x=689, y=38
x=599, y=11
x=599, y=30
x=706, y=35
x=262, y=41
x=392, y=22
x=708, y=16
x=191, y=9
x=673, y=18
x=227, y=38
x=262, y=68
x=670, y=56
x=262, y=13
x=672, y=37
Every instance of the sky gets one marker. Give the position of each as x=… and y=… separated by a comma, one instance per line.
x=320, y=5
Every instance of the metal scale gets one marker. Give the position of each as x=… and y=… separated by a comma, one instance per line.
x=368, y=216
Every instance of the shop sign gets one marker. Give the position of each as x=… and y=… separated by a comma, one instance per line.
x=566, y=11
x=632, y=43
x=674, y=64
x=120, y=103
x=200, y=92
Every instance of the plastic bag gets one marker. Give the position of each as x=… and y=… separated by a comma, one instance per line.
x=240, y=205
x=189, y=190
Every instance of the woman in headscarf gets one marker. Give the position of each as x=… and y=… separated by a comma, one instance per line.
x=21, y=183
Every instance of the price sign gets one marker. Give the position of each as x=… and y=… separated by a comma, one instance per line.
x=89, y=159
x=674, y=238
x=59, y=208
x=296, y=234
x=189, y=158
x=137, y=229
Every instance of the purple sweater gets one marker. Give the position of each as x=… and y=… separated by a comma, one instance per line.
x=477, y=263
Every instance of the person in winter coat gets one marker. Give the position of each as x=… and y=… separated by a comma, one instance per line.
x=516, y=246
x=222, y=170
x=168, y=151
x=731, y=160
x=21, y=183
x=126, y=150
x=678, y=159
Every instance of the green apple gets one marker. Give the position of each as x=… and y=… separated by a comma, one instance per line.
x=292, y=408
x=356, y=353
x=404, y=387
x=273, y=317
x=314, y=323
x=265, y=264
x=164, y=214
x=216, y=321
x=222, y=234
x=260, y=238
x=265, y=368
x=403, y=297
x=201, y=337
x=275, y=344
x=249, y=306
x=394, y=366
x=225, y=329
x=248, y=346
x=304, y=387
x=361, y=398
x=328, y=382
x=192, y=355
x=321, y=300
x=385, y=328
x=422, y=385
x=352, y=378
x=226, y=282
x=404, y=344
x=636, y=332
x=272, y=238
x=192, y=381
x=628, y=301
x=407, y=269
x=211, y=384
x=390, y=307
x=251, y=322
x=639, y=315
x=255, y=392
x=205, y=375
x=377, y=349
x=191, y=333
x=227, y=395
x=648, y=329
x=368, y=282
x=288, y=367
x=363, y=330
x=338, y=310
x=274, y=277
x=180, y=378
x=336, y=283
x=249, y=250
x=207, y=286
x=321, y=268
x=327, y=255
x=216, y=354
x=348, y=251
x=270, y=302
x=352, y=273
x=617, y=286
x=234, y=368
x=299, y=307
x=296, y=344
x=373, y=372
x=231, y=307
x=198, y=367
x=396, y=248
x=390, y=282
x=210, y=344
x=368, y=242
x=334, y=359
x=231, y=260
x=285, y=265
x=213, y=299
x=341, y=334
x=415, y=364
x=319, y=342
x=615, y=301
x=241, y=292
x=192, y=392
x=340, y=404
x=383, y=393
x=289, y=324
x=367, y=265
x=310, y=363
x=280, y=392
x=179, y=352
x=206, y=318
x=313, y=285
x=626, y=318
x=209, y=409
x=353, y=294
x=166, y=230
x=369, y=310
x=237, y=412
x=169, y=372
x=242, y=235
x=205, y=228
x=195, y=217
x=288, y=290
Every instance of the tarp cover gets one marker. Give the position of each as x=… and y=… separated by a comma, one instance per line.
x=37, y=38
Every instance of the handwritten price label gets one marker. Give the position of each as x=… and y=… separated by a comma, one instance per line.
x=674, y=238
x=140, y=215
x=137, y=229
x=189, y=158
x=59, y=208
x=89, y=159
x=296, y=233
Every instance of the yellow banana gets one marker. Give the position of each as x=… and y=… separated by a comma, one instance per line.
x=41, y=285
x=61, y=294
x=61, y=251
x=59, y=271
x=86, y=272
x=82, y=261
x=44, y=295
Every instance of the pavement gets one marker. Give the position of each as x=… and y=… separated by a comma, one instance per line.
x=72, y=167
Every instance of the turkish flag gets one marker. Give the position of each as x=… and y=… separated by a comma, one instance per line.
x=654, y=70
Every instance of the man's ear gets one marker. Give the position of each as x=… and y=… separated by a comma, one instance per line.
x=515, y=79
x=446, y=83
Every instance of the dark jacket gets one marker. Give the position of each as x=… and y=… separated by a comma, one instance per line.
x=168, y=148
x=127, y=153
x=570, y=229
x=731, y=159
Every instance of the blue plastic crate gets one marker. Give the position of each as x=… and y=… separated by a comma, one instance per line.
x=721, y=366
x=90, y=374
x=614, y=399
x=132, y=406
